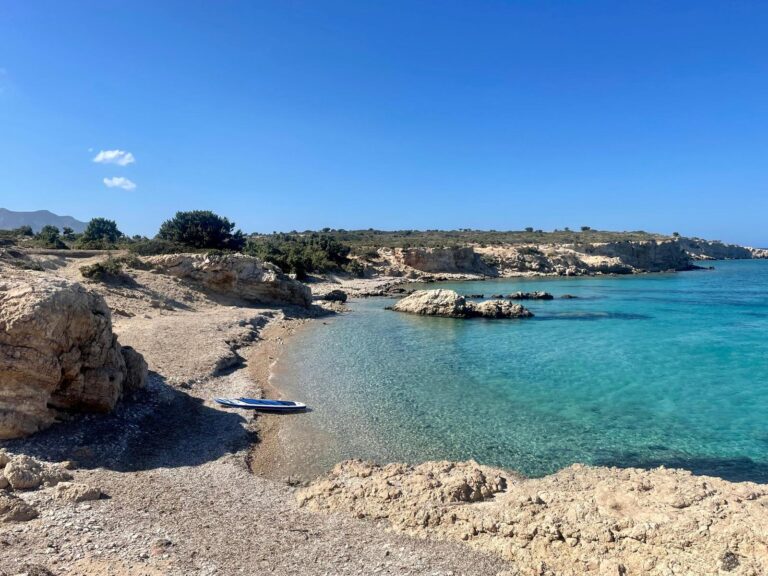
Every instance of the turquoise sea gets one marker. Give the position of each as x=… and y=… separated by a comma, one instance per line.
x=667, y=369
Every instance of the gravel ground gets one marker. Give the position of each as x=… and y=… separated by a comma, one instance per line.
x=174, y=467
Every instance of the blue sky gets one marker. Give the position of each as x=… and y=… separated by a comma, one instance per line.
x=417, y=114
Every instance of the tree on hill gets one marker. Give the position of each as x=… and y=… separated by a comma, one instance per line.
x=100, y=234
x=202, y=229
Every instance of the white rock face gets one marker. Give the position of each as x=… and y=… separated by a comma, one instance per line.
x=450, y=304
x=236, y=275
x=57, y=351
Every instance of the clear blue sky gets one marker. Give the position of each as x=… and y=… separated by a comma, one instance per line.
x=416, y=114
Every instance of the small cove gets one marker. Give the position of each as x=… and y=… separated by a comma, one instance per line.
x=648, y=370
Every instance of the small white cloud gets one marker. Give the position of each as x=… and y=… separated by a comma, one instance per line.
x=119, y=157
x=119, y=182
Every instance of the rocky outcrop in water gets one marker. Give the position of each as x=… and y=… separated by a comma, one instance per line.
x=236, y=275
x=530, y=296
x=333, y=296
x=58, y=353
x=450, y=304
x=582, y=520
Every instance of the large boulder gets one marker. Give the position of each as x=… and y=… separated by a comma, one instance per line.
x=237, y=275
x=450, y=304
x=57, y=352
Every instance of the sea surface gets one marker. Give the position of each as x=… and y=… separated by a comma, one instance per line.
x=649, y=370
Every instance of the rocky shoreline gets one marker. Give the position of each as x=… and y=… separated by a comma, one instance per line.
x=140, y=491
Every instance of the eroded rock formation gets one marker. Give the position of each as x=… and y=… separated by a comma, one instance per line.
x=236, y=275
x=57, y=352
x=582, y=520
x=445, y=260
x=450, y=304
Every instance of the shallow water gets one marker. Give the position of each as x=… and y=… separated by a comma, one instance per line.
x=645, y=370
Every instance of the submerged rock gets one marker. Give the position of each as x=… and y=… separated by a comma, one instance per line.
x=57, y=352
x=237, y=275
x=450, y=304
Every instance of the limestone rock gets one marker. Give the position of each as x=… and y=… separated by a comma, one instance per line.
x=446, y=260
x=137, y=369
x=25, y=473
x=57, y=352
x=76, y=492
x=450, y=304
x=237, y=275
x=14, y=509
x=580, y=521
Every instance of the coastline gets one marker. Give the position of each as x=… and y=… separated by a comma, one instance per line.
x=263, y=457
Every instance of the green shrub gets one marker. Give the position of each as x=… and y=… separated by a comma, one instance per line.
x=202, y=229
x=48, y=237
x=300, y=254
x=109, y=269
x=100, y=234
x=355, y=268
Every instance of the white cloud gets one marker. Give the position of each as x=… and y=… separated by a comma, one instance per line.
x=119, y=157
x=119, y=182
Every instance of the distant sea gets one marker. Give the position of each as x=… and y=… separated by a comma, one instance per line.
x=648, y=370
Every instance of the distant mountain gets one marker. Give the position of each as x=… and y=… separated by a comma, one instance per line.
x=37, y=219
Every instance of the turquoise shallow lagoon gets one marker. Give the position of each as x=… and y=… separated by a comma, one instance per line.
x=648, y=370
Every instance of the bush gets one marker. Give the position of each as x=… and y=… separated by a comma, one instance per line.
x=300, y=254
x=355, y=268
x=100, y=234
x=202, y=229
x=132, y=261
x=48, y=237
x=102, y=271
x=154, y=247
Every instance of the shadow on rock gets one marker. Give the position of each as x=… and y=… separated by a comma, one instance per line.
x=163, y=427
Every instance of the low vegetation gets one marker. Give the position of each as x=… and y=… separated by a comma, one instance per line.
x=302, y=254
x=109, y=269
x=49, y=237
